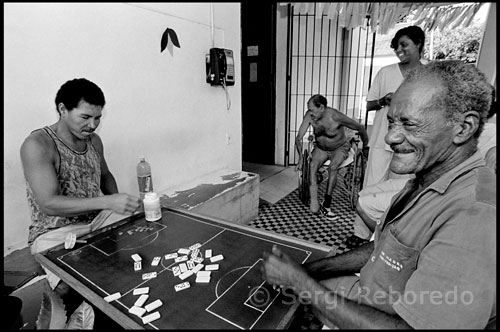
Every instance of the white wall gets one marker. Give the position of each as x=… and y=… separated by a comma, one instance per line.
x=487, y=59
x=158, y=104
x=281, y=54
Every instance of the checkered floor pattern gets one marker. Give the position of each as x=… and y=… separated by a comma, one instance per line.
x=291, y=217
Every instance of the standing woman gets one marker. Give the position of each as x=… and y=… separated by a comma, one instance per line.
x=408, y=44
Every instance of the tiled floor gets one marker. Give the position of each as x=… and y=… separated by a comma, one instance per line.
x=281, y=210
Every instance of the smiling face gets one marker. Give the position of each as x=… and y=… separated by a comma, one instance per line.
x=82, y=120
x=407, y=51
x=419, y=134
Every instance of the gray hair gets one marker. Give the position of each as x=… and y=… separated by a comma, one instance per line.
x=318, y=100
x=464, y=88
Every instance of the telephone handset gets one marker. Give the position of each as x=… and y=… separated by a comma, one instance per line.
x=220, y=68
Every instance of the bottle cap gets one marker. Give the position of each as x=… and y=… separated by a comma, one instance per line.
x=151, y=196
x=142, y=158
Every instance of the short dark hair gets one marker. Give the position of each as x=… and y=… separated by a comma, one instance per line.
x=318, y=100
x=464, y=88
x=414, y=32
x=73, y=91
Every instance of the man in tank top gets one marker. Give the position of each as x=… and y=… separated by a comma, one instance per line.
x=69, y=186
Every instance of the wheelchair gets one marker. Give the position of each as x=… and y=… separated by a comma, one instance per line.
x=353, y=177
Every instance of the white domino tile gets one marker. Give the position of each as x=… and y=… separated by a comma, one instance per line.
x=183, y=251
x=138, y=311
x=216, y=258
x=181, y=259
x=137, y=266
x=195, y=253
x=182, y=286
x=149, y=275
x=170, y=256
x=136, y=258
x=198, y=260
x=141, y=300
x=186, y=274
x=212, y=267
x=151, y=317
x=112, y=297
x=203, y=274
x=156, y=261
x=139, y=291
x=197, y=268
x=202, y=279
x=208, y=253
x=153, y=305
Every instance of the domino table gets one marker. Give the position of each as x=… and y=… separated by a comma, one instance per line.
x=113, y=270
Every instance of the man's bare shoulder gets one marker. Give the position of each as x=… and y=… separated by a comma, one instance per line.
x=38, y=143
x=307, y=118
x=335, y=113
x=97, y=142
x=38, y=138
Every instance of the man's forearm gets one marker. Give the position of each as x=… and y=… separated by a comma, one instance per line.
x=343, y=264
x=59, y=205
x=345, y=313
x=373, y=105
x=298, y=145
x=364, y=135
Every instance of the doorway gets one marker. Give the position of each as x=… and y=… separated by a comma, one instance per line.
x=258, y=35
x=327, y=58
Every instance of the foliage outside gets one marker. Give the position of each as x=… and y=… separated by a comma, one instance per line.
x=457, y=44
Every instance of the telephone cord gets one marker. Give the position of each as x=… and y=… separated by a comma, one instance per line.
x=228, y=99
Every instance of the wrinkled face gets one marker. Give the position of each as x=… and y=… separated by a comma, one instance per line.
x=315, y=111
x=407, y=50
x=83, y=119
x=420, y=136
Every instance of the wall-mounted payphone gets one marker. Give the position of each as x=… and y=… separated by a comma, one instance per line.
x=220, y=67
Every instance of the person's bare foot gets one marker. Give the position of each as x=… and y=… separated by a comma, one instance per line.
x=314, y=206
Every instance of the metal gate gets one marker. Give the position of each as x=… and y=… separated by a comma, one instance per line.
x=325, y=58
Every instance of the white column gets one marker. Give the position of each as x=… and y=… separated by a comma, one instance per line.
x=488, y=52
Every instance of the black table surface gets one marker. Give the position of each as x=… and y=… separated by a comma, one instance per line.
x=235, y=298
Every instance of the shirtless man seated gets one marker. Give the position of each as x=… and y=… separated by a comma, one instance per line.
x=331, y=142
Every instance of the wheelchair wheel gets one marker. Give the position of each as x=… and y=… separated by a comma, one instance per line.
x=304, y=178
x=348, y=176
x=356, y=178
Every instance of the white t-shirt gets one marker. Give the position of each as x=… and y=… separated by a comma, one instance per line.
x=388, y=79
x=488, y=138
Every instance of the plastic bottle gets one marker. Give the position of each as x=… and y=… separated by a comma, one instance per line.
x=144, y=177
x=152, y=207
